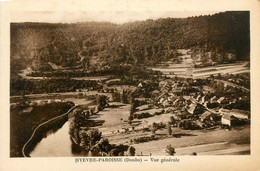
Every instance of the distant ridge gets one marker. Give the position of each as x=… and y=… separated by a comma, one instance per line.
x=141, y=42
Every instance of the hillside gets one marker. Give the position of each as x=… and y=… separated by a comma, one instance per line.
x=95, y=45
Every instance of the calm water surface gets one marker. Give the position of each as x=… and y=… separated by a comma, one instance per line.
x=56, y=144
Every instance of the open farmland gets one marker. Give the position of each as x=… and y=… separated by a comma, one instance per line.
x=203, y=142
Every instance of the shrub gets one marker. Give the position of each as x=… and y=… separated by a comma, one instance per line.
x=170, y=150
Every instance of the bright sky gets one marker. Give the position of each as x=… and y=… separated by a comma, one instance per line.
x=114, y=17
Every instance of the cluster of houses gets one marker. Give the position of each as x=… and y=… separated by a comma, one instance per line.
x=202, y=108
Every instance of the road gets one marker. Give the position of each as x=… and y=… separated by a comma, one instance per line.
x=203, y=142
x=214, y=149
x=58, y=95
x=180, y=70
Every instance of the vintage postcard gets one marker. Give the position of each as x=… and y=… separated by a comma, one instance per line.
x=158, y=85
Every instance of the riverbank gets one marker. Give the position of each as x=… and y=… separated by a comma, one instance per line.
x=24, y=120
x=42, y=130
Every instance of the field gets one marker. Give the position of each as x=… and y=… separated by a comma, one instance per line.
x=180, y=69
x=203, y=142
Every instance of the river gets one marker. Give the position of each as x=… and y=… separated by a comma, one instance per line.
x=58, y=143
x=55, y=144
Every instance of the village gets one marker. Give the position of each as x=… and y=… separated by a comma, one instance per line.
x=136, y=115
x=162, y=106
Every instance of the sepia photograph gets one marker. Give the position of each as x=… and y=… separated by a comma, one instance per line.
x=130, y=83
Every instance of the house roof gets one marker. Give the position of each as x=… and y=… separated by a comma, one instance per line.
x=140, y=85
x=222, y=110
x=192, y=107
x=220, y=99
x=240, y=111
x=242, y=114
x=229, y=117
x=205, y=115
x=214, y=98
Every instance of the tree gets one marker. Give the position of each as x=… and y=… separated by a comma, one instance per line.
x=133, y=128
x=87, y=114
x=219, y=76
x=172, y=120
x=122, y=97
x=130, y=118
x=131, y=98
x=114, y=152
x=104, y=145
x=78, y=117
x=170, y=150
x=93, y=136
x=154, y=127
x=169, y=128
x=101, y=102
x=131, y=114
x=131, y=151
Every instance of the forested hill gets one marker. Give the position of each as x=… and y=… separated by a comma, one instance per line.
x=98, y=44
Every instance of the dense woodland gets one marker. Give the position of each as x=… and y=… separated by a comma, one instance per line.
x=23, y=86
x=96, y=45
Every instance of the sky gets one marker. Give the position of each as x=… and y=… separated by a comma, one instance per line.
x=117, y=17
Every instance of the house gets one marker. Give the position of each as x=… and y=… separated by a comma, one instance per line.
x=155, y=93
x=166, y=87
x=174, y=86
x=213, y=99
x=207, y=116
x=228, y=119
x=203, y=99
x=27, y=110
x=207, y=97
x=196, y=108
x=188, y=102
x=140, y=85
x=225, y=101
x=166, y=103
x=175, y=102
x=220, y=100
x=240, y=114
x=191, y=108
x=162, y=83
x=198, y=97
x=172, y=98
x=231, y=56
x=161, y=100
x=223, y=111
x=50, y=101
x=42, y=102
x=32, y=103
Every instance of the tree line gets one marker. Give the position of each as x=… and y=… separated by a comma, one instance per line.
x=98, y=45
